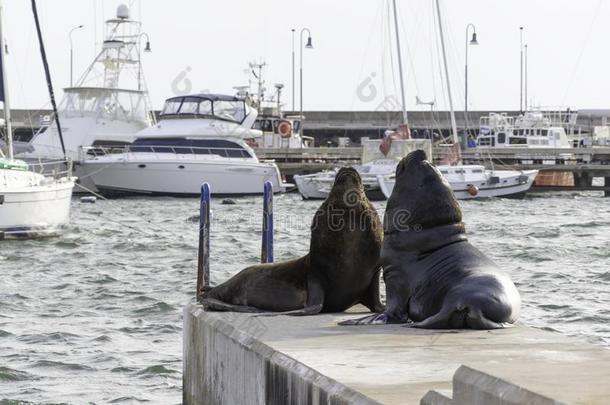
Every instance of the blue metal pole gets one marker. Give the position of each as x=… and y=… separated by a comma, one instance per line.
x=203, y=259
x=267, y=245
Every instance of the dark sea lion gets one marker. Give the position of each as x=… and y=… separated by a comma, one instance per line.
x=340, y=270
x=433, y=275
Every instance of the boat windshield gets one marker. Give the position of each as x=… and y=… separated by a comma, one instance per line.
x=228, y=110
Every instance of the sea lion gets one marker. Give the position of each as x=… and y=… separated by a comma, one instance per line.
x=340, y=270
x=433, y=275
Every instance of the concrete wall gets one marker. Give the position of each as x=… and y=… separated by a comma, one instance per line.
x=223, y=365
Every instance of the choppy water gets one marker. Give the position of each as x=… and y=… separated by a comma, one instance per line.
x=95, y=316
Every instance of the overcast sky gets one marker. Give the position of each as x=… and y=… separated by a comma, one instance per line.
x=350, y=67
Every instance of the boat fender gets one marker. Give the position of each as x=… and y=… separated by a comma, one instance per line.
x=473, y=190
x=284, y=128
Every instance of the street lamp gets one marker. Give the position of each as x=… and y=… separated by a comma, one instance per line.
x=72, y=51
x=293, y=89
x=473, y=41
x=146, y=49
x=309, y=45
x=521, y=70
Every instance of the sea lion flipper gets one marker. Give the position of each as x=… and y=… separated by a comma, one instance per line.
x=371, y=298
x=310, y=310
x=452, y=318
x=376, y=319
x=217, y=305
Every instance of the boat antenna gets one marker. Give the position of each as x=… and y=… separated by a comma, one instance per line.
x=402, y=83
x=442, y=37
x=47, y=73
x=4, y=93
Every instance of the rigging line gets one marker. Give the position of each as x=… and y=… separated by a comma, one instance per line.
x=368, y=46
x=582, y=50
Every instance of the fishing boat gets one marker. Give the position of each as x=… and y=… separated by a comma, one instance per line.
x=106, y=106
x=199, y=138
x=31, y=204
x=533, y=129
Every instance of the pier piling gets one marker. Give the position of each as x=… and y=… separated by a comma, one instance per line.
x=203, y=259
x=267, y=237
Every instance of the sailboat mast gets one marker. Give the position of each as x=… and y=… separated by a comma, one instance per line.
x=4, y=90
x=442, y=37
x=402, y=83
x=47, y=73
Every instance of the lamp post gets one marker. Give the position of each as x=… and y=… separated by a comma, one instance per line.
x=309, y=45
x=72, y=52
x=146, y=49
x=473, y=41
x=521, y=70
x=293, y=89
x=525, y=79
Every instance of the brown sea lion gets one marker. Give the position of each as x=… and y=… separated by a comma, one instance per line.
x=340, y=270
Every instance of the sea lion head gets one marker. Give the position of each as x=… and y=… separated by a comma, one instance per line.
x=347, y=188
x=422, y=198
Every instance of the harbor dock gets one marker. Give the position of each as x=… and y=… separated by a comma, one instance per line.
x=242, y=358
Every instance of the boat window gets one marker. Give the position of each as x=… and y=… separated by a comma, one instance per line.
x=205, y=107
x=171, y=107
x=517, y=141
x=544, y=132
x=296, y=126
x=477, y=170
x=230, y=110
x=189, y=106
x=190, y=146
x=501, y=137
x=267, y=126
x=444, y=172
x=460, y=171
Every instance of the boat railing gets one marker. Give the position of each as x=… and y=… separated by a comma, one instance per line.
x=96, y=151
x=56, y=169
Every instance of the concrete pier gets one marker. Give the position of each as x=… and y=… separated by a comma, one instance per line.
x=232, y=358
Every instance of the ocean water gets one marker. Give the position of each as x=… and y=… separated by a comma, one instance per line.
x=95, y=316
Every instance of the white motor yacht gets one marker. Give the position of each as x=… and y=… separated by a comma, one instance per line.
x=199, y=138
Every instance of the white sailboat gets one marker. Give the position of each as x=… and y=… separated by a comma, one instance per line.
x=470, y=181
x=107, y=106
x=31, y=204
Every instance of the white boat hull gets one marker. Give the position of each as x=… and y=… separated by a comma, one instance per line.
x=512, y=184
x=317, y=187
x=32, y=211
x=180, y=177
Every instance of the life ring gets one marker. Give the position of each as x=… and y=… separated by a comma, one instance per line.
x=284, y=129
x=472, y=190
